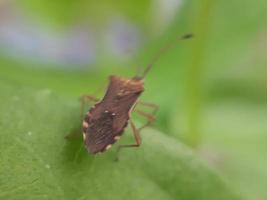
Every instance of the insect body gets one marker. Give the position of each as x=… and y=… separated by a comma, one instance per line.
x=106, y=120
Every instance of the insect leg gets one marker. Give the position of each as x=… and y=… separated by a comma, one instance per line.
x=137, y=138
x=150, y=105
x=149, y=116
x=84, y=99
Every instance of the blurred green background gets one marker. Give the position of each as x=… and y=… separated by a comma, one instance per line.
x=212, y=93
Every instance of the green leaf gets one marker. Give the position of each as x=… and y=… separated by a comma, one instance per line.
x=37, y=162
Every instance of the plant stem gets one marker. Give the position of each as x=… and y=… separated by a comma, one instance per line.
x=195, y=71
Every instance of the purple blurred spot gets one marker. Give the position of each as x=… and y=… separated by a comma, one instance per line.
x=122, y=37
x=23, y=39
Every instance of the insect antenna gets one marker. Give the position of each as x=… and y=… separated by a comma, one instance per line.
x=162, y=51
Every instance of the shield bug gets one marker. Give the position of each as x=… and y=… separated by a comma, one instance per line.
x=106, y=121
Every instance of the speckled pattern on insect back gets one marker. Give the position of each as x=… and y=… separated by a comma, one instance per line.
x=106, y=120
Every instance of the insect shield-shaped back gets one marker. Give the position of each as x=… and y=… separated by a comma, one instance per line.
x=106, y=120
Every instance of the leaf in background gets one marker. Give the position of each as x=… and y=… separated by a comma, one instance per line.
x=36, y=162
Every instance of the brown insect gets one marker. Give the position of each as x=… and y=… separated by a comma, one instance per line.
x=106, y=121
